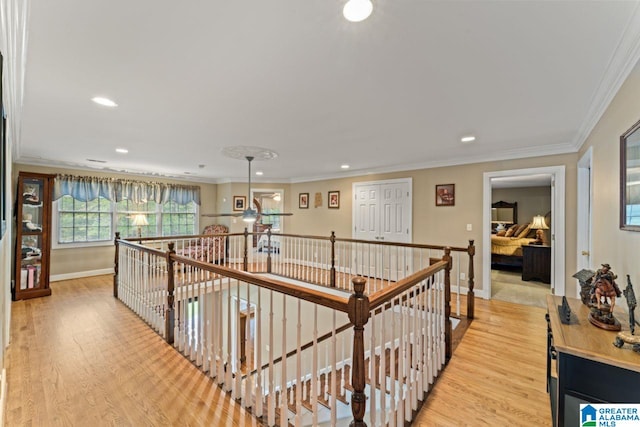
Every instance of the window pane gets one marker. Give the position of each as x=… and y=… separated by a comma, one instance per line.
x=83, y=221
x=178, y=219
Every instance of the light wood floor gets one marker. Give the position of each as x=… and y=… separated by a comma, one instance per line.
x=81, y=358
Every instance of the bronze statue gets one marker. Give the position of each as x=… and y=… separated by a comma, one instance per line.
x=605, y=288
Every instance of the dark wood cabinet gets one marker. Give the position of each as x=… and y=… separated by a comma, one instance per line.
x=33, y=235
x=536, y=263
x=583, y=366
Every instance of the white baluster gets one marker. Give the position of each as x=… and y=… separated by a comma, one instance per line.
x=314, y=368
x=334, y=382
x=299, y=386
x=373, y=370
x=236, y=366
x=258, y=356
x=228, y=383
x=271, y=415
x=283, y=364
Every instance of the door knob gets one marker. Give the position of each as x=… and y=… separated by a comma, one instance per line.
x=585, y=253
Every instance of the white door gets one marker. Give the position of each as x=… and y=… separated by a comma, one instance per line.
x=382, y=212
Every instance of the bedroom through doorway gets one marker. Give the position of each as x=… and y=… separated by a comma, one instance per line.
x=519, y=250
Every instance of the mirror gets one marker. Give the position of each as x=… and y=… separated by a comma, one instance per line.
x=630, y=179
x=504, y=213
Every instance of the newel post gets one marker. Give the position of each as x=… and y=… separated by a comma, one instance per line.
x=332, y=275
x=115, y=265
x=245, y=259
x=447, y=304
x=269, y=250
x=470, y=294
x=359, y=316
x=169, y=313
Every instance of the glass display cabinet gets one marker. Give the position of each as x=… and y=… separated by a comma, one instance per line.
x=33, y=235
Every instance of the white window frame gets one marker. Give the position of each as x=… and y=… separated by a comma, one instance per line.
x=55, y=218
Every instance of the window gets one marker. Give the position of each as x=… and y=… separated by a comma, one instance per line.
x=84, y=221
x=92, y=222
x=178, y=220
x=126, y=209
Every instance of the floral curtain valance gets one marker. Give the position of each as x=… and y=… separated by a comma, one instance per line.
x=86, y=188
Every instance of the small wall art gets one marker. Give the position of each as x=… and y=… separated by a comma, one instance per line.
x=303, y=201
x=334, y=199
x=318, y=200
x=445, y=195
x=239, y=203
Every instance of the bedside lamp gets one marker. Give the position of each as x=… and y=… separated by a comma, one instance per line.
x=538, y=224
x=139, y=220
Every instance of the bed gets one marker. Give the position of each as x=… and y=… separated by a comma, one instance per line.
x=506, y=247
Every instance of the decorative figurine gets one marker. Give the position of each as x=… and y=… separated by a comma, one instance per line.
x=625, y=337
x=604, y=291
x=585, y=278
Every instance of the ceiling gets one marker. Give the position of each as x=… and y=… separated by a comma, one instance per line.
x=394, y=92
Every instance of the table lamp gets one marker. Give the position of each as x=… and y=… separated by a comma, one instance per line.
x=139, y=220
x=538, y=224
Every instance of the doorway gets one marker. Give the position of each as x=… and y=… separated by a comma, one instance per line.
x=585, y=206
x=556, y=218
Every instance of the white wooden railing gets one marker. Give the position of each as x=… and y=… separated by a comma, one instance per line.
x=330, y=261
x=383, y=347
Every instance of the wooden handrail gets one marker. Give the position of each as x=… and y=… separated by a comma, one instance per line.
x=312, y=237
x=384, y=295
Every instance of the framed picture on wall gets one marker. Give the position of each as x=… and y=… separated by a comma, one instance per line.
x=445, y=195
x=334, y=199
x=303, y=201
x=239, y=203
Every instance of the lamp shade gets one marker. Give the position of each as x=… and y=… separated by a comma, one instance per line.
x=538, y=223
x=140, y=220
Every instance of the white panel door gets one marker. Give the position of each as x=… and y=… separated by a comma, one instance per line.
x=367, y=218
x=382, y=212
x=395, y=213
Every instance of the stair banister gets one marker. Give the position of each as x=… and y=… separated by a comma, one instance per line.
x=471, y=250
x=358, y=315
x=115, y=265
x=169, y=311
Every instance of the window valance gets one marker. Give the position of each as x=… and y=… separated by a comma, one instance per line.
x=86, y=188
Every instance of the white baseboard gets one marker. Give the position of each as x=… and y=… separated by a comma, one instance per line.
x=479, y=293
x=79, y=274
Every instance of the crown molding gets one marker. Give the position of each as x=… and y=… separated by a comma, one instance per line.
x=623, y=60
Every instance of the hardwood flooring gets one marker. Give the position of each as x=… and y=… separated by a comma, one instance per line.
x=80, y=357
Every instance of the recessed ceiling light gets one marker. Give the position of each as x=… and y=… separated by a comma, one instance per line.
x=357, y=10
x=259, y=173
x=345, y=166
x=122, y=150
x=104, y=101
x=469, y=138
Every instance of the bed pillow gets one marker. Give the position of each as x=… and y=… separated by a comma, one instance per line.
x=522, y=231
x=501, y=233
x=511, y=230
